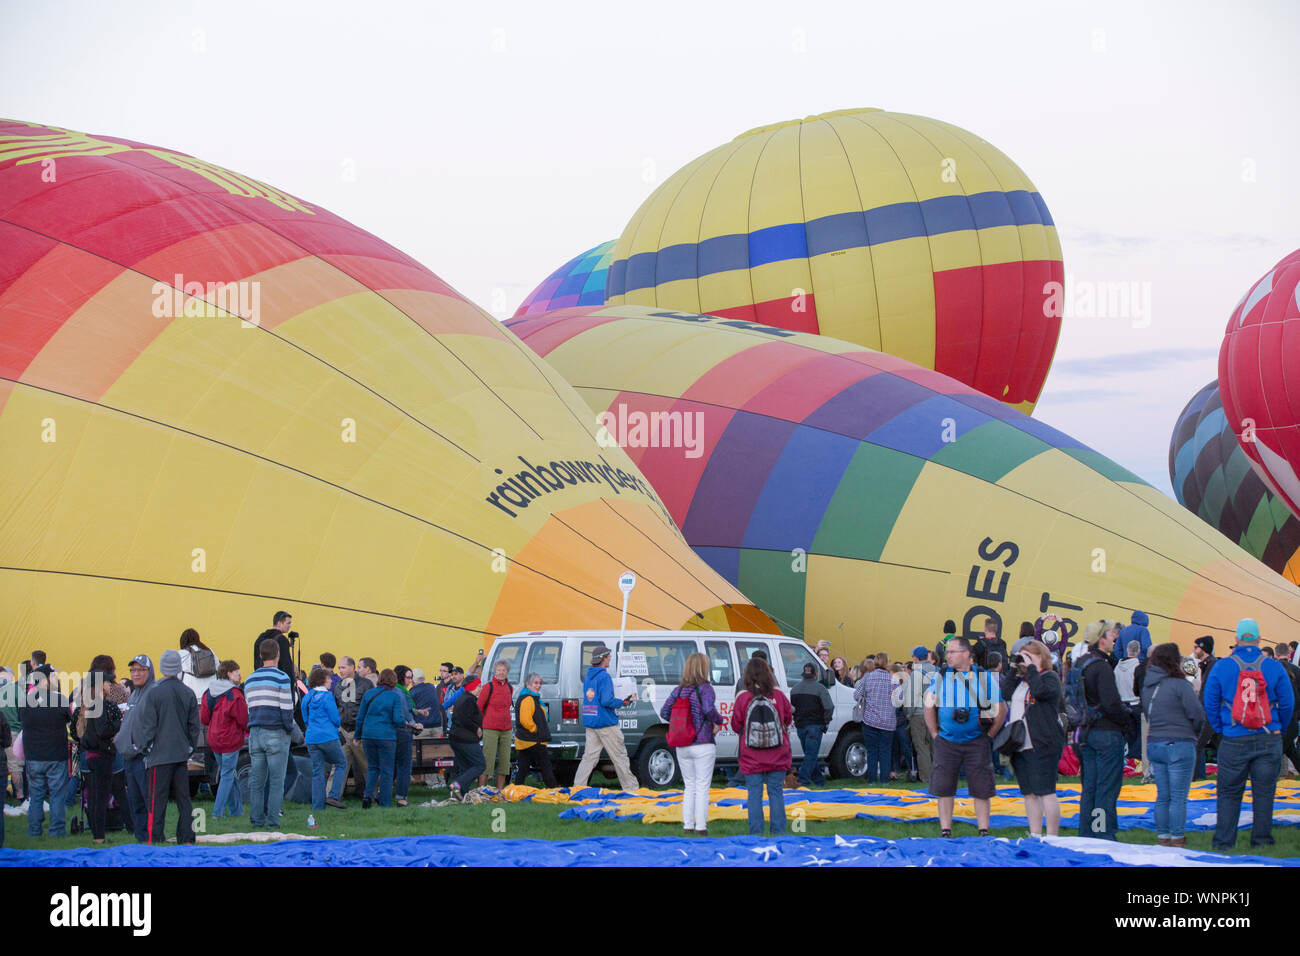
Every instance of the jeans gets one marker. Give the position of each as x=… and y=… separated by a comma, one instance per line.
x=137, y=798
x=228, y=795
x=1172, y=762
x=774, y=780
x=1102, y=756
x=810, y=739
x=470, y=763
x=878, y=743
x=380, y=757
x=47, y=780
x=323, y=756
x=697, y=762
x=1258, y=756
x=402, y=762
x=902, y=749
x=269, y=749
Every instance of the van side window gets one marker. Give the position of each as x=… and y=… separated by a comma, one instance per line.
x=794, y=657
x=720, y=670
x=585, y=660
x=745, y=650
x=544, y=660
x=512, y=654
x=664, y=659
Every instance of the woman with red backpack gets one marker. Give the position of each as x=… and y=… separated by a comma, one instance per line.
x=762, y=716
x=692, y=715
x=224, y=711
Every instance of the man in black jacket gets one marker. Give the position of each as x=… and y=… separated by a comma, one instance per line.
x=465, y=738
x=348, y=692
x=813, y=708
x=169, y=733
x=45, y=741
x=1203, y=651
x=1290, y=731
x=1102, y=748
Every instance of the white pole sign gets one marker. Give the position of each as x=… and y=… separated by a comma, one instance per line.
x=626, y=582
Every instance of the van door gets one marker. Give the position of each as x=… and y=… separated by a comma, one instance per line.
x=722, y=675
x=544, y=660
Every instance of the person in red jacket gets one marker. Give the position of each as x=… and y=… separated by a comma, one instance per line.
x=494, y=702
x=764, y=743
x=224, y=712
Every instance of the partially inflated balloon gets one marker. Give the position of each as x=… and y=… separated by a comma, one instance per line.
x=1258, y=378
x=218, y=400
x=897, y=232
x=580, y=281
x=1213, y=478
x=859, y=498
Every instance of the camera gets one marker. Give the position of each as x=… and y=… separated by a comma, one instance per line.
x=961, y=715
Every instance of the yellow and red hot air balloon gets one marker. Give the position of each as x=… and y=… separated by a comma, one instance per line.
x=218, y=400
x=856, y=497
x=900, y=233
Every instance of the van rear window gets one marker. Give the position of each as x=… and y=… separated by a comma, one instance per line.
x=511, y=654
x=544, y=660
x=720, y=669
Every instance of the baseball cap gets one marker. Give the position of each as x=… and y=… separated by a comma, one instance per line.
x=1094, y=631
x=920, y=652
x=143, y=661
x=1247, y=630
x=598, y=654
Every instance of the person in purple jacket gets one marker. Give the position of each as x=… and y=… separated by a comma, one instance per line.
x=696, y=760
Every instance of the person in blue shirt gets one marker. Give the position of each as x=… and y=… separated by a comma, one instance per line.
x=953, y=704
x=1245, y=751
x=1136, y=631
x=321, y=714
x=600, y=718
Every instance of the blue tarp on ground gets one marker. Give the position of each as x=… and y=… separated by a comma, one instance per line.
x=635, y=851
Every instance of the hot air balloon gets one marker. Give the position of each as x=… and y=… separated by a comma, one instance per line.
x=1258, y=381
x=1213, y=479
x=901, y=233
x=859, y=498
x=580, y=281
x=218, y=400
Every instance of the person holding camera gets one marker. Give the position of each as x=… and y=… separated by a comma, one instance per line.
x=1034, y=691
x=957, y=697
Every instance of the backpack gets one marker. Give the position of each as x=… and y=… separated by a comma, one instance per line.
x=762, y=725
x=1250, y=707
x=100, y=730
x=1079, y=714
x=681, y=728
x=203, y=663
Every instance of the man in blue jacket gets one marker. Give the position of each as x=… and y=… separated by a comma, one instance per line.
x=1137, y=631
x=1244, y=751
x=600, y=718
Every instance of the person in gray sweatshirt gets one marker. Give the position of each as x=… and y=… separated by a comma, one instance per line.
x=129, y=746
x=1175, y=720
x=169, y=732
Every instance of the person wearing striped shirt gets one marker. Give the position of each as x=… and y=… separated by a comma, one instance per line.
x=270, y=725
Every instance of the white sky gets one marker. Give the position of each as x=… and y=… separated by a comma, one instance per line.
x=495, y=142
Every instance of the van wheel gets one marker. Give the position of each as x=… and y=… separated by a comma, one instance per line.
x=656, y=764
x=848, y=758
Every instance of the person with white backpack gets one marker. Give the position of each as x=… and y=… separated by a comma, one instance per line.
x=762, y=716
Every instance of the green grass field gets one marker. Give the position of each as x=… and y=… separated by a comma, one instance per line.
x=541, y=821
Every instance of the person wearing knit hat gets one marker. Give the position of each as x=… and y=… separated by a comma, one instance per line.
x=1251, y=725
x=168, y=733
x=1101, y=745
x=1203, y=651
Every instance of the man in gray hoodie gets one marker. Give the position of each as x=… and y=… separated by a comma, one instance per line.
x=169, y=732
x=129, y=746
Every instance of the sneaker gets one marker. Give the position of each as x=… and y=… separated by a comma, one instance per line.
x=1178, y=841
x=331, y=802
x=983, y=833
x=365, y=803
x=945, y=834
x=453, y=793
x=401, y=801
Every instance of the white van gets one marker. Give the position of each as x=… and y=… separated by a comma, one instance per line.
x=653, y=661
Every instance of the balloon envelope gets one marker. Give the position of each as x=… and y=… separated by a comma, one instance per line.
x=580, y=281
x=1258, y=380
x=1213, y=479
x=218, y=400
x=901, y=233
x=859, y=498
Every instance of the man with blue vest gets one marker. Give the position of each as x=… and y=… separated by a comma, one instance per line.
x=600, y=718
x=1250, y=746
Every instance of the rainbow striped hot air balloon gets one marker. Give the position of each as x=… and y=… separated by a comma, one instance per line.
x=1258, y=379
x=897, y=232
x=859, y=498
x=217, y=400
x=580, y=281
x=1213, y=479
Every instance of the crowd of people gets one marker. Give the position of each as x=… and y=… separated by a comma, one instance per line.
x=948, y=714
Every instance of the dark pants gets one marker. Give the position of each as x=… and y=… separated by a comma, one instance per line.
x=810, y=739
x=1258, y=756
x=99, y=784
x=379, y=769
x=539, y=756
x=878, y=743
x=1288, y=745
x=170, y=780
x=469, y=764
x=1102, y=756
x=902, y=749
x=1133, y=739
x=402, y=763
x=137, y=797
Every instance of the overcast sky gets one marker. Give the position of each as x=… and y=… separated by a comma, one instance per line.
x=495, y=142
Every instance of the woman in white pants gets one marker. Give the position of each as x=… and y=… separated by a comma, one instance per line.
x=697, y=758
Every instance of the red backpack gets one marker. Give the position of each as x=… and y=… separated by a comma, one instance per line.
x=681, y=728
x=1250, y=702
